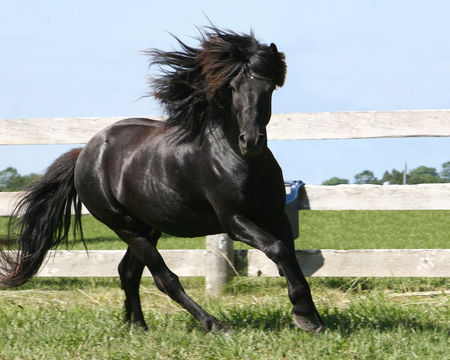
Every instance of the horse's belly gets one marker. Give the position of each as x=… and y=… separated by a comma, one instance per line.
x=182, y=222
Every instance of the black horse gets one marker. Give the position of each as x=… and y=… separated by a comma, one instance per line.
x=205, y=170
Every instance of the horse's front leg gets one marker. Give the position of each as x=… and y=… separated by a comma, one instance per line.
x=282, y=253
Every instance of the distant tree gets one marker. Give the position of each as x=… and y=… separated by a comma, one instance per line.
x=21, y=182
x=396, y=177
x=424, y=175
x=11, y=180
x=6, y=176
x=386, y=177
x=445, y=173
x=420, y=175
x=335, y=181
x=366, y=177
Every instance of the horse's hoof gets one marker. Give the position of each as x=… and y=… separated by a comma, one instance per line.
x=309, y=323
x=222, y=329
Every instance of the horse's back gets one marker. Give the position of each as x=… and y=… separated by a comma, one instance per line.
x=120, y=136
x=102, y=160
x=131, y=129
x=138, y=121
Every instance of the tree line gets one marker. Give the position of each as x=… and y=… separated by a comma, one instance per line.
x=420, y=175
x=11, y=180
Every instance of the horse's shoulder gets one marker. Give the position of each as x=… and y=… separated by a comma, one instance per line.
x=139, y=121
x=133, y=126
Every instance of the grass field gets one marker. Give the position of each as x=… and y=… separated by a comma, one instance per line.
x=426, y=229
x=366, y=318
x=61, y=318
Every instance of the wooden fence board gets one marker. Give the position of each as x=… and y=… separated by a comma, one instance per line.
x=295, y=126
x=7, y=202
x=9, y=199
x=345, y=197
x=377, y=197
x=104, y=263
x=360, y=263
x=325, y=263
x=359, y=125
x=53, y=131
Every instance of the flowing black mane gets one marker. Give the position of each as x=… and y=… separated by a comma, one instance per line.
x=191, y=78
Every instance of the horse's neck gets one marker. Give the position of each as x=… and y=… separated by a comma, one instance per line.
x=221, y=133
x=225, y=141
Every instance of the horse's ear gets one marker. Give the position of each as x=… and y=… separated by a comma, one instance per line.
x=273, y=48
x=235, y=53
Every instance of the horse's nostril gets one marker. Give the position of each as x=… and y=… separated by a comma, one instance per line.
x=252, y=147
x=242, y=140
x=260, y=140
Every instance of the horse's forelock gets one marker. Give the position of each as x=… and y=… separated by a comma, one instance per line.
x=221, y=62
x=269, y=65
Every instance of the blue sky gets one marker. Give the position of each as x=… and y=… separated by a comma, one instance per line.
x=77, y=59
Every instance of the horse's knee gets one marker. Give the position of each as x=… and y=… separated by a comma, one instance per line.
x=277, y=251
x=130, y=277
x=168, y=284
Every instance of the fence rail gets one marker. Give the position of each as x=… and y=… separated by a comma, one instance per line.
x=342, y=197
x=314, y=263
x=297, y=126
x=340, y=125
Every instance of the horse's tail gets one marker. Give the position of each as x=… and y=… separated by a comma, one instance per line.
x=41, y=221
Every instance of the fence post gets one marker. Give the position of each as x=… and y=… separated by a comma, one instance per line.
x=219, y=263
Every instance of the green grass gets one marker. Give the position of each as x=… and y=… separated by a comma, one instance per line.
x=418, y=229
x=390, y=229
x=99, y=237
x=366, y=318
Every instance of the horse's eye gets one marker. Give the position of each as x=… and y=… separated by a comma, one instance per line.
x=233, y=89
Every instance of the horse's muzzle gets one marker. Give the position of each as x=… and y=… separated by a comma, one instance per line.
x=252, y=147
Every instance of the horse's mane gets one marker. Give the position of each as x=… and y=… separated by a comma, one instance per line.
x=190, y=79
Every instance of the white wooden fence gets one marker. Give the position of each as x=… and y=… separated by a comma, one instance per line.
x=340, y=125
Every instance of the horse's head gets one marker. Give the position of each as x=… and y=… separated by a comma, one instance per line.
x=252, y=109
x=251, y=94
x=233, y=73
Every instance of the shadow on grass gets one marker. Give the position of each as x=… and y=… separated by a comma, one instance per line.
x=342, y=322
x=277, y=320
x=261, y=318
x=348, y=323
x=364, y=315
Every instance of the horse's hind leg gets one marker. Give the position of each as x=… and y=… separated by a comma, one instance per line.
x=130, y=271
x=144, y=249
